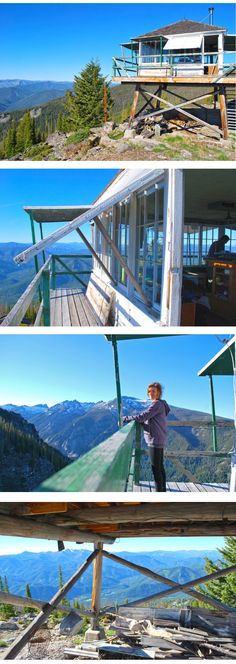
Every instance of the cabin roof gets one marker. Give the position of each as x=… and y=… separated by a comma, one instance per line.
x=181, y=27
x=84, y=522
x=222, y=364
x=56, y=213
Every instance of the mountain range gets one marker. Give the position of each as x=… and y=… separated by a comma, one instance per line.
x=14, y=279
x=20, y=94
x=74, y=428
x=119, y=583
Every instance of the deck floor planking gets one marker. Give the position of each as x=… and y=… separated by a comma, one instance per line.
x=71, y=308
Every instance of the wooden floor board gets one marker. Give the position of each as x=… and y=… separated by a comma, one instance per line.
x=71, y=308
x=181, y=487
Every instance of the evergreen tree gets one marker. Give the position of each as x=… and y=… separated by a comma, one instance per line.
x=224, y=588
x=60, y=122
x=25, y=134
x=28, y=609
x=85, y=103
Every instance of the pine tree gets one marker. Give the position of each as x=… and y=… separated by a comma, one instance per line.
x=25, y=134
x=28, y=609
x=85, y=104
x=60, y=122
x=224, y=588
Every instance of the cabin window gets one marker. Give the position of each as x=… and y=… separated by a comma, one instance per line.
x=149, y=248
x=122, y=239
x=149, y=50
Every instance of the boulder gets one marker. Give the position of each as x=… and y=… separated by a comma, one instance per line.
x=8, y=625
x=108, y=126
x=105, y=141
x=129, y=133
x=147, y=132
x=122, y=147
x=71, y=624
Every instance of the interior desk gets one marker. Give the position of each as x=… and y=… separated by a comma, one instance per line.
x=223, y=295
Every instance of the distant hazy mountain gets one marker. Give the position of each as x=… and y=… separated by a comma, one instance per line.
x=14, y=279
x=74, y=428
x=19, y=94
x=119, y=583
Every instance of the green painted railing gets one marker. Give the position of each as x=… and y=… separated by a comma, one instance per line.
x=124, y=65
x=107, y=467
x=44, y=280
x=117, y=463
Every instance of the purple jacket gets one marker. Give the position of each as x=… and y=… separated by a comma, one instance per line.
x=154, y=423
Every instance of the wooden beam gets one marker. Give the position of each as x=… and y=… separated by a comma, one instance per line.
x=26, y=527
x=17, y=600
x=158, y=512
x=175, y=587
x=95, y=255
x=97, y=586
x=148, y=177
x=41, y=618
x=183, y=80
x=122, y=261
x=18, y=311
x=134, y=105
x=223, y=112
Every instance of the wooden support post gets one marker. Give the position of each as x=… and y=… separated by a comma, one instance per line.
x=134, y=105
x=40, y=619
x=95, y=255
x=223, y=112
x=138, y=452
x=105, y=103
x=117, y=377
x=122, y=261
x=46, y=297
x=97, y=586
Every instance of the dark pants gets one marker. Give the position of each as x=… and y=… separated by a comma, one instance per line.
x=156, y=456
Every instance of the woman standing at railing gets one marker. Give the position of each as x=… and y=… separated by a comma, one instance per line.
x=155, y=432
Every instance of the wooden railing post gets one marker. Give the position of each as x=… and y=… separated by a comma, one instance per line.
x=46, y=297
x=137, y=456
x=53, y=272
x=97, y=586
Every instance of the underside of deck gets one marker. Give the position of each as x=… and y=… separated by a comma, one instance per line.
x=190, y=80
x=71, y=307
x=181, y=487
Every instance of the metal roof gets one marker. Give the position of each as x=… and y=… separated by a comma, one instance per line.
x=53, y=214
x=223, y=363
x=181, y=27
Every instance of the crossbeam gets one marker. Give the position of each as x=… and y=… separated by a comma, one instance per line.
x=179, y=107
x=41, y=618
x=171, y=513
x=175, y=587
x=17, y=600
x=26, y=527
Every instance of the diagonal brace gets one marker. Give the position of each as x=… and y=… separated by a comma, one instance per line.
x=95, y=255
x=122, y=261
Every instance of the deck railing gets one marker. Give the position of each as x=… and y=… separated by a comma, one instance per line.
x=119, y=463
x=42, y=283
x=125, y=65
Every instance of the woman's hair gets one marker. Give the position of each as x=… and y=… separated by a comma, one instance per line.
x=158, y=386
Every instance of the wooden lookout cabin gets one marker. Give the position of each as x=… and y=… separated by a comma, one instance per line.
x=189, y=633
x=177, y=57
x=119, y=462
x=153, y=257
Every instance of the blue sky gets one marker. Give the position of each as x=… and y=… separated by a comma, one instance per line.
x=49, y=368
x=54, y=41
x=25, y=187
x=14, y=545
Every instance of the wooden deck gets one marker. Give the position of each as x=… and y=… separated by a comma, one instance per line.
x=183, y=487
x=187, y=80
x=71, y=308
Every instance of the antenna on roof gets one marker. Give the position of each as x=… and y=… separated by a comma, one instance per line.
x=211, y=11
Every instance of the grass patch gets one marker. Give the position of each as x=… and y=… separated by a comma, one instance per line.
x=37, y=152
x=78, y=136
x=116, y=134
x=3, y=644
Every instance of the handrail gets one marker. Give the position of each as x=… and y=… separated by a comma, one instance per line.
x=17, y=313
x=43, y=279
x=105, y=468
x=130, y=64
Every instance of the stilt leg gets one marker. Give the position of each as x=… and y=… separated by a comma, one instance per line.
x=134, y=105
x=223, y=113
